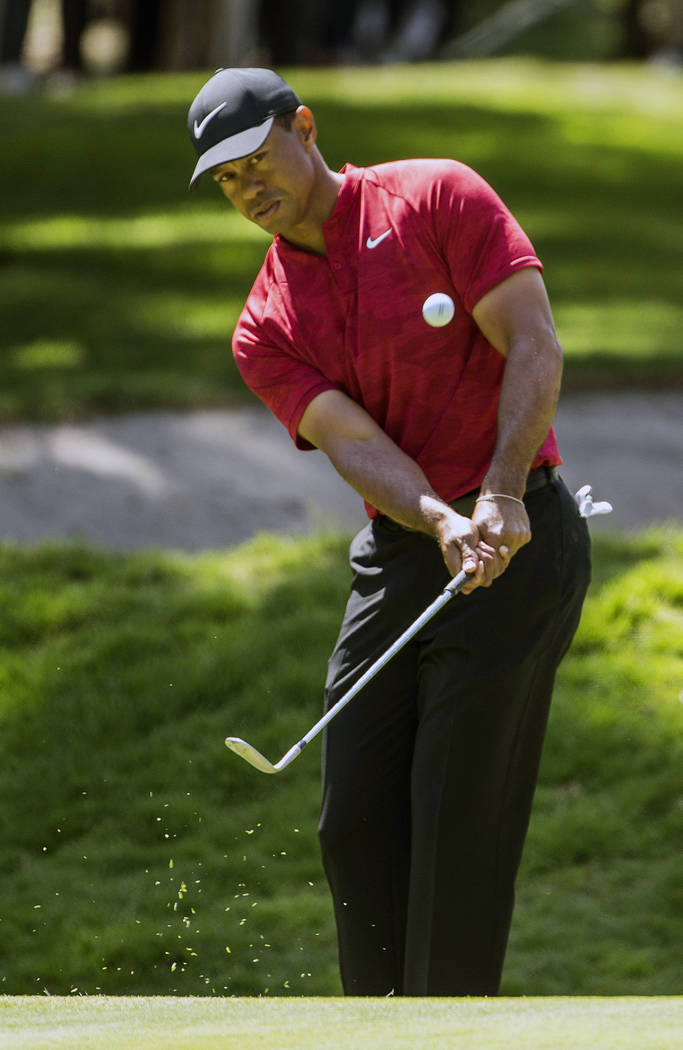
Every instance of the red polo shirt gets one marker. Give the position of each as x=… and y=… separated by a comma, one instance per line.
x=353, y=321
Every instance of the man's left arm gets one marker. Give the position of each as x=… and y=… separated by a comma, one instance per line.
x=516, y=319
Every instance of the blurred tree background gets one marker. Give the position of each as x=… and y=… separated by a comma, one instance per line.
x=65, y=39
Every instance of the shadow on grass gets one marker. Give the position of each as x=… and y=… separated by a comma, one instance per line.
x=137, y=851
x=150, y=325
x=127, y=825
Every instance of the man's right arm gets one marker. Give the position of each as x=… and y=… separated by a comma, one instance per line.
x=394, y=483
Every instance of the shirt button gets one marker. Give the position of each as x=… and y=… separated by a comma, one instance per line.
x=336, y=266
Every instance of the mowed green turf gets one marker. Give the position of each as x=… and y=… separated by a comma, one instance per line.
x=333, y=1024
x=119, y=290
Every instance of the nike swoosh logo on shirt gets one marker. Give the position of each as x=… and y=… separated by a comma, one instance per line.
x=199, y=128
x=372, y=242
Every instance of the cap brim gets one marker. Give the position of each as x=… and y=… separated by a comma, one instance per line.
x=239, y=145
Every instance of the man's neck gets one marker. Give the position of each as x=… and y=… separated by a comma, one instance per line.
x=309, y=234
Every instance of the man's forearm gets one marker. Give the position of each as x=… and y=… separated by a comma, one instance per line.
x=528, y=400
x=394, y=483
x=388, y=479
x=382, y=473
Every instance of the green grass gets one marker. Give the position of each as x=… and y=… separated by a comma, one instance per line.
x=140, y=857
x=355, y=1024
x=120, y=290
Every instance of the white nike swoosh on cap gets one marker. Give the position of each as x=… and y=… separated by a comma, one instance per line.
x=372, y=242
x=199, y=128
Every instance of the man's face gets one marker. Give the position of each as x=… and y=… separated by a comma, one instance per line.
x=274, y=186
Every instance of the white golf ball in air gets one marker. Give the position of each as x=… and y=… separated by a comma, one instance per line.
x=438, y=309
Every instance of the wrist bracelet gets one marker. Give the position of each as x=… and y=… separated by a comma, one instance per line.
x=498, y=495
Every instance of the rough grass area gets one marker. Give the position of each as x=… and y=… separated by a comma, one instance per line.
x=140, y=857
x=333, y=1024
x=119, y=290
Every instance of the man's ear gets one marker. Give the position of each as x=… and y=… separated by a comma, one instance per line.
x=305, y=127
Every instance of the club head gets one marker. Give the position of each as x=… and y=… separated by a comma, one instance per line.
x=250, y=754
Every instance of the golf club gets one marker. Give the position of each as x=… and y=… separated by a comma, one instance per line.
x=260, y=762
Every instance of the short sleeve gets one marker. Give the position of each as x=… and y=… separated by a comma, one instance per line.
x=479, y=237
x=277, y=376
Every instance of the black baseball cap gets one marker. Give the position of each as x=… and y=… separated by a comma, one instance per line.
x=233, y=113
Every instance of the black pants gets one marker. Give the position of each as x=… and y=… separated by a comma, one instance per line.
x=429, y=774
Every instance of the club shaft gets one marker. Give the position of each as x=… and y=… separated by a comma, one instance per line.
x=455, y=585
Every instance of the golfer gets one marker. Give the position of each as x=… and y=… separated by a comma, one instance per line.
x=445, y=430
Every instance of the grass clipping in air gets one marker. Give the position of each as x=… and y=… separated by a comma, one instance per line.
x=141, y=857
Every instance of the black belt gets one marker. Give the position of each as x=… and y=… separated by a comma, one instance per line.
x=536, y=479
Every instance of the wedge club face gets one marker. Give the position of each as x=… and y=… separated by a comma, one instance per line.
x=250, y=754
x=259, y=761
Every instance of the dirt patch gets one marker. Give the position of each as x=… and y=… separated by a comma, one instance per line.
x=212, y=479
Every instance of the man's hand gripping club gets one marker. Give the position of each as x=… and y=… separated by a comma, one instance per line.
x=483, y=544
x=391, y=481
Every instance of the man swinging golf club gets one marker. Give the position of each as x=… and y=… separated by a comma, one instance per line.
x=400, y=324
